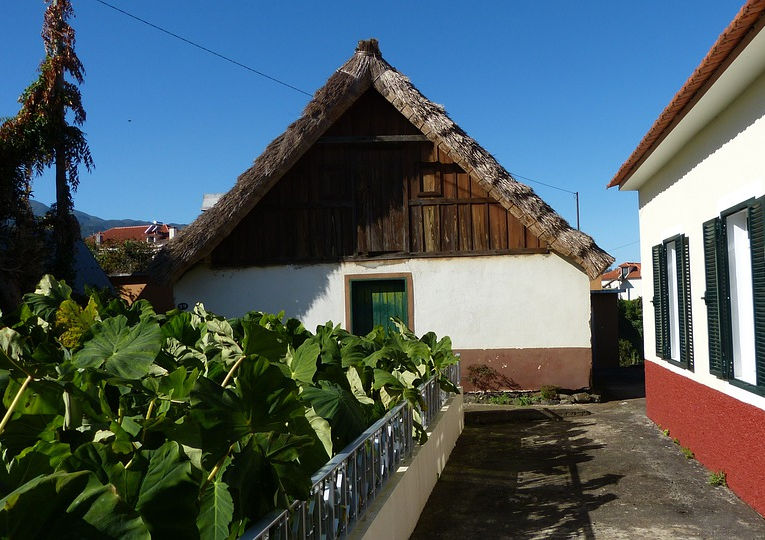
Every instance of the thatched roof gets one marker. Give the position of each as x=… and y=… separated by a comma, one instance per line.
x=365, y=69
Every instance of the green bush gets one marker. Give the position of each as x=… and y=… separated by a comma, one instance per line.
x=548, y=392
x=122, y=422
x=123, y=257
x=630, y=313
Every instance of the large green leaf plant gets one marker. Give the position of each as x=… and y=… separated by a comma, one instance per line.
x=119, y=422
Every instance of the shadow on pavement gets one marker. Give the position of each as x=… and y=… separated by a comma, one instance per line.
x=517, y=480
x=620, y=383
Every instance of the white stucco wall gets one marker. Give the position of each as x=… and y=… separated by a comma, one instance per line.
x=723, y=165
x=508, y=301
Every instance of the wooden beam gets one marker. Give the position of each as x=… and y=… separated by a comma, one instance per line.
x=442, y=201
x=388, y=256
x=367, y=139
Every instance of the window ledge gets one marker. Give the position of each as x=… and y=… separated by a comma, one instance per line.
x=760, y=391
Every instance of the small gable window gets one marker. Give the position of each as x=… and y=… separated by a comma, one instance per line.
x=373, y=300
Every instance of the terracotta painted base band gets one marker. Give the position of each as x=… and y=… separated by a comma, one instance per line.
x=723, y=433
x=527, y=369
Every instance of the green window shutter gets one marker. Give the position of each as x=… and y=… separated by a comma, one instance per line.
x=712, y=238
x=757, y=246
x=684, y=301
x=660, y=304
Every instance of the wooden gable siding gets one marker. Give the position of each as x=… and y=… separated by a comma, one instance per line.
x=346, y=198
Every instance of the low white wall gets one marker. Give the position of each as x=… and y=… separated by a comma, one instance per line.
x=722, y=166
x=395, y=511
x=508, y=301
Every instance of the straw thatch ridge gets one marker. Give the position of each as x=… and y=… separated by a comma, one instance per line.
x=364, y=69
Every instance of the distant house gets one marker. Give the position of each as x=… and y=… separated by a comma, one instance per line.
x=373, y=204
x=626, y=279
x=700, y=174
x=152, y=233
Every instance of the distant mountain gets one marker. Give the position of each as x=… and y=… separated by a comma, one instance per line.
x=92, y=224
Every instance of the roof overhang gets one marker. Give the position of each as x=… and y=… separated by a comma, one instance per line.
x=733, y=63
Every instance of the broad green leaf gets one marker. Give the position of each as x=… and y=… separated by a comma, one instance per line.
x=252, y=482
x=413, y=396
x=402, y=328
x=26, y=430
x=416, y=350
x=123, y=351
x=40, y=397
x=219, y=345
x=353, y=351
x=343, y=411
x=406, y=378
x=386, y=399
x=176, y=385
x=139, y=311
x=11, y=349
x=73, y=322
x=179, y=327
x=127, y=481
x=321, y=428
x=260, y=340
x=216, y=512
x=302, y=362
x=387, y=352
x=40, y=459
x=220, y=415
x=385, y=378
x=181, y=355
x=47, y=297
x=270, y=398
x=448, y=386
x=76, y=504
x=24, y=468
x=357, y=386
x=282, y=452
x=169, y=491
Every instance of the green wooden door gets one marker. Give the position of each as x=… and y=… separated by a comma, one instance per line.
x=374, y=302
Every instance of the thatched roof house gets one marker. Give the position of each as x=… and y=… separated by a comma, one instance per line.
x=367, y=68
x=375, y=203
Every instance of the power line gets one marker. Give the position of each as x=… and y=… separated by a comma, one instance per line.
x=574, y=193
x=198, y=46
x=531, y=179
x=625, y=245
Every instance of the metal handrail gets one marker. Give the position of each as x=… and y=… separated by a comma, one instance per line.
x=343, y=489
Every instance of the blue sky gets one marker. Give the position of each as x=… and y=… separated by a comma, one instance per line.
x=559, y=92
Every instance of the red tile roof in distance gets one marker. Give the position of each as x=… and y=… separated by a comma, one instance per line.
x=120, y=234
x=135, y=232
x=616, y=273
x=715, y=62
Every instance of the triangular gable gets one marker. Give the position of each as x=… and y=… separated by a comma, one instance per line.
x=365, y=69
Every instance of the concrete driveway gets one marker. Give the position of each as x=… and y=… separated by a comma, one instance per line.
x=608, y=473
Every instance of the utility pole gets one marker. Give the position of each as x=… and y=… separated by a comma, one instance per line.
x=576, y=196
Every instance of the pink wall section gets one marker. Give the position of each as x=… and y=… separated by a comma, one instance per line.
x=724, y=433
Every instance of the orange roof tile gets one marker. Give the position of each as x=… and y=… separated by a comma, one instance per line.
x=723, y=52
x=616, y=273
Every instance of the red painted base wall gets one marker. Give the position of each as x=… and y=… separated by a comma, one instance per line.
x=724, y=433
